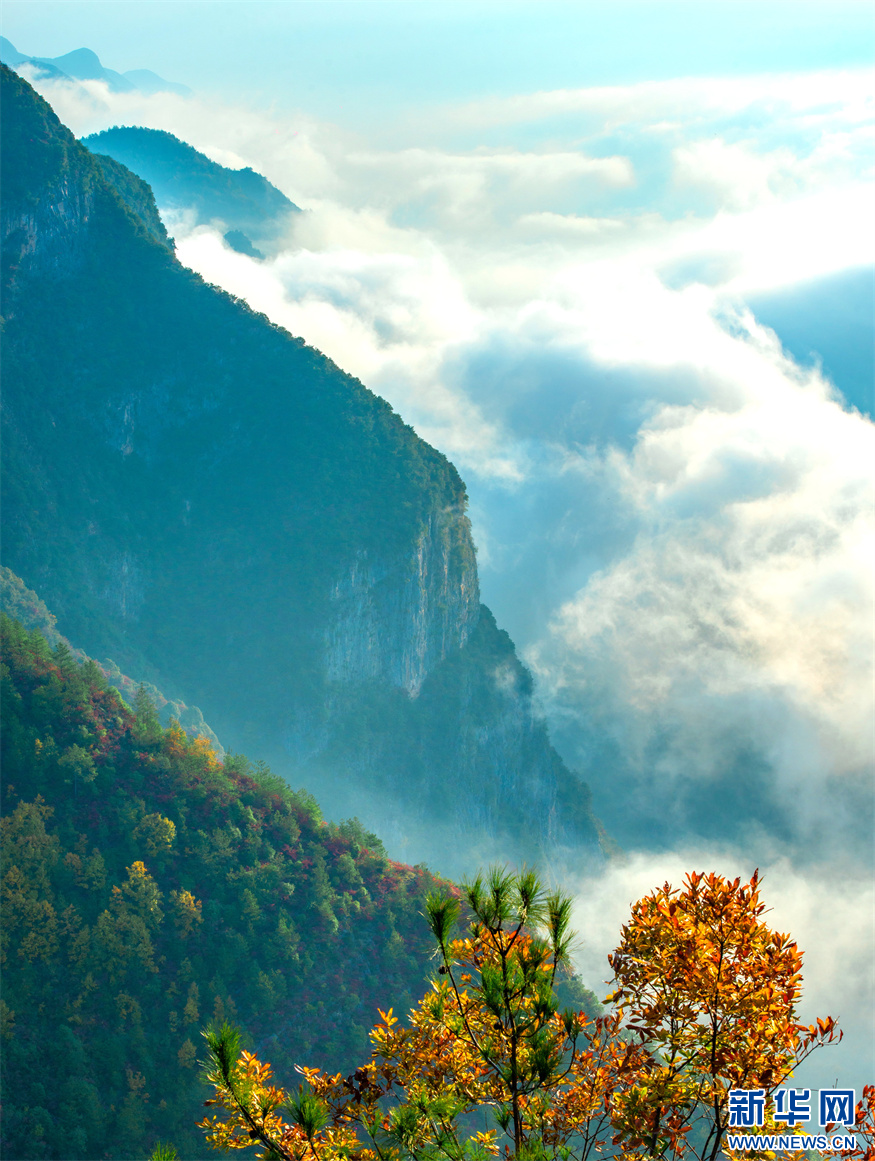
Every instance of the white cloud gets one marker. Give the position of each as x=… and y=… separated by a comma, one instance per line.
x=743, y=607
x=823, y=96
x=512, y=211
x=546, y=223
x=740, y=177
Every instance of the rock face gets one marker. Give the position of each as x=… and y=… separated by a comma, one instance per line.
x=222, y=511
x=396, y=630
x=466, y=775
x=49, y=234
x=48, y=199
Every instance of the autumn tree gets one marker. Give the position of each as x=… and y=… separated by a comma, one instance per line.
x=493, y=1025
x=711, y=991
x=864, y=1128
x=488, y=1036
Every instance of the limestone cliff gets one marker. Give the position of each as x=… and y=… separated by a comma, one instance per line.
x=396, y=629
x=216, y=506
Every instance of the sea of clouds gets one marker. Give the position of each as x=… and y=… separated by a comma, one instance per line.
x=674, y=519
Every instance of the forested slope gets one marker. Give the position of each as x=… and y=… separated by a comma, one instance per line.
x=24, y=605
x=148, y=888
x=183, y=178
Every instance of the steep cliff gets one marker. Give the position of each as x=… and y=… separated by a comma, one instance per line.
x=462, y=774
x=393, y=629
x=215, y=505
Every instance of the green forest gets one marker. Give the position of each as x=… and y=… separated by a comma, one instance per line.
x=149, y=888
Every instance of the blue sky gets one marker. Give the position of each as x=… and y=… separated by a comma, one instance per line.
x=616, y=260
x=351, y=61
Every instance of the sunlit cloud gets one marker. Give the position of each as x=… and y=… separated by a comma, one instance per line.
x=823, y=96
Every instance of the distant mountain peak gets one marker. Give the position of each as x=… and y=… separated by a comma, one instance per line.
x=242, y=201
x=145, y=81
x=9, y=54
x=83, y=64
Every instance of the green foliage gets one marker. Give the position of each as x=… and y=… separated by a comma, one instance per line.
x=525, y=934
x=164, y=1151
x=309, y=1112
x=148, y=727
x=147, y=887
x=22, y=604
x=181, y=176
x=137, y=195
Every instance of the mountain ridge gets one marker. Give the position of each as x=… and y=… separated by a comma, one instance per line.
x=215, y=505
x=83, y=64
x=239, y=201
x=23, y=605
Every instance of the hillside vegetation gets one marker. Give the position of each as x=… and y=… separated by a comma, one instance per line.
x=147, y=888
x=241, y=200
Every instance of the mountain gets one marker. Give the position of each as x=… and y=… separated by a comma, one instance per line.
x=148, y=888
x=84, y=65
x=240, y=201
x=137, y=195
x=216, y=506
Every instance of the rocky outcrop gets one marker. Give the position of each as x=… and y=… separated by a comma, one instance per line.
x=465, y=774
x=50, y=235
x=396, y=628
